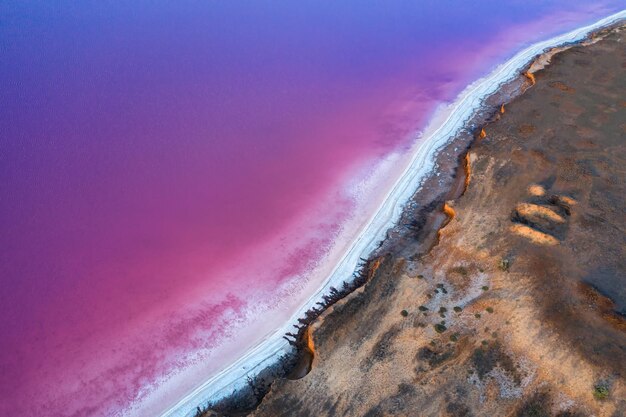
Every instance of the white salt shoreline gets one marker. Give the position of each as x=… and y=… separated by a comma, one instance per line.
x=446, y=123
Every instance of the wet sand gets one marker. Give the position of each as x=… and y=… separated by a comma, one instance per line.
x=501, y=291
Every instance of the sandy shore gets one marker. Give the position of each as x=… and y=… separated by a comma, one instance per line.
x=451, y=122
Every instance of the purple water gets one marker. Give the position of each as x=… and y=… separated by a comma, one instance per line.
x=165, y=169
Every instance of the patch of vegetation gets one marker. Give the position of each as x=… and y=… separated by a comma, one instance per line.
x=477, y=315
x=488, y=356
x=601, y=391
x=434, y=357
x=485, y=288
x=457, y=309
x=405, y=389
x=460, y=270
x=457, y=409
x=384, y=347
x=489, y=310
x=420, y=276
x=422, y=308
x=536, y=406
x=454, y=337
x=570, y=413
x=504, y=264
x=404, y=313
x=440, y=328
x=442, y=309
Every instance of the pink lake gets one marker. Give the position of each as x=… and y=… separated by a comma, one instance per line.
x=169, y=171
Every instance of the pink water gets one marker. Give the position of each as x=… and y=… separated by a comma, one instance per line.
x=166, y=167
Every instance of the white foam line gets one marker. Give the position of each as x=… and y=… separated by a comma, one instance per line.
x=422, y=162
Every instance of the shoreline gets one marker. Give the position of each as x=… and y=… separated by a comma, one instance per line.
x=445, y=124
x=558, y=328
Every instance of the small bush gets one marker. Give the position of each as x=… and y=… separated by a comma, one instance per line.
x=504, y=264
x=404, y=313
x=485, y=288
x=457, y=309
x=477, y=315
x=420, y=276
x=489, y=310
x=440, y=328
x=601, y=392
x=422, y=308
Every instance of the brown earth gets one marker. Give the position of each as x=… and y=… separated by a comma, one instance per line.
x=516, y=306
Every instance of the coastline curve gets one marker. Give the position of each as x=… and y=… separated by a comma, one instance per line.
x=444, y=125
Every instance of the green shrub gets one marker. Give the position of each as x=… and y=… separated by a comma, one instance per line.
x=504, y=264
x=601, y=392
x=404, y=313
x=440, y=328
x=457, y=309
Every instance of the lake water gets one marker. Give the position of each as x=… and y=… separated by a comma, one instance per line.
x=172, y=172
